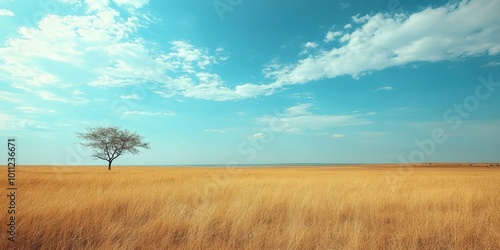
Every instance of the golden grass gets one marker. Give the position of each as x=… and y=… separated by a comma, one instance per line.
x=438, y=207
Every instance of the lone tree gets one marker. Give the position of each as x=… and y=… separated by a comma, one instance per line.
x=111, y=142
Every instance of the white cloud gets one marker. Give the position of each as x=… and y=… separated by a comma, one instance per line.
x=186, y=57
x=83, y=42
x=259, y=135
x=147, y=113
x=5, y=121
x=113, y=81
x=75, y=3
x=134, y=3
x=348, y=26
x=103, y=42
x=48, y=96
x=360, y=19
x=6, y=96
x=221, y=54
x=299, y=118
x=9, y=122
x=77, y=92
x=337, y=136
x=51, y=96
x=492, y=64
x=275, y=69
x=5, y=12
x=100, y=5
x=216, y=90
x=184, y=70
x=300, y=109
x=96, y=5
x=241, y=113
x=331, y=35
x=302, y=95
x=310, y=45
x=384, y=40
x=384, y=88
x=131, y=97
x=69, y=38
x=33, y=110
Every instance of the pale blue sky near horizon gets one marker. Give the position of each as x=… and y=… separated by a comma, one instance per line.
x=253, y=82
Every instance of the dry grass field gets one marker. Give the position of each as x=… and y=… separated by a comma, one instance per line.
x=365, y=207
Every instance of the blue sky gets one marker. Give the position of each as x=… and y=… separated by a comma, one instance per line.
x=251, y=82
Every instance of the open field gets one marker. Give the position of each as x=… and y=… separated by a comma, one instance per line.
x=368, y=207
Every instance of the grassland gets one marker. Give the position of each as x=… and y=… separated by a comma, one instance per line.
x=370, y=207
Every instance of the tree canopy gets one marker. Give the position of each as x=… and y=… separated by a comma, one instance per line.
x=111, y=142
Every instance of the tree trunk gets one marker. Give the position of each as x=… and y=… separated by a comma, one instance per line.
x=109, y=165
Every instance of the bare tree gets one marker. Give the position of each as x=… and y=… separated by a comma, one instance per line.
x=111, y=142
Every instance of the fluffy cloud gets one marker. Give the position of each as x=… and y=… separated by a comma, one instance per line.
x=337, y=136
x=97, y=5
x=331, y=35
x=309, y=45
x=4, y=12
x=190, y=75
x=184, y=70
x=103, y=44
x=457, y=30
x=259, y=135
x=81, y=43
x=131, y=97
x=134, y=3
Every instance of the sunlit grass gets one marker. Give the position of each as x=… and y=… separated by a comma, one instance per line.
x=284, y=208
